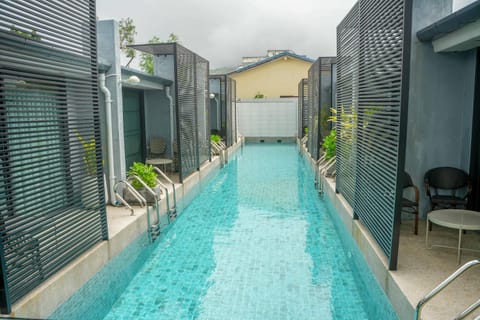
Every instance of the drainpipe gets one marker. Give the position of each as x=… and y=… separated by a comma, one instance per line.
x=172, y=124
x=219, y=124
x=108, y=113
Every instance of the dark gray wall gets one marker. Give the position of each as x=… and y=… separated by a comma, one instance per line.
x=215, y=104
x=157, y=117
x=440, y=102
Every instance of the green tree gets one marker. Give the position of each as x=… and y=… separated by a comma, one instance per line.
x=127, y=36
x=146, y=59
x=172, y=37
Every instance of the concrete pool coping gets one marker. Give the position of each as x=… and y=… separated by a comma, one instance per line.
x=123, y=229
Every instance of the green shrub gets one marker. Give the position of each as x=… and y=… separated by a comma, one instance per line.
x=305, y=130
x=144, y=172
x=215, y=138
x=330, y=145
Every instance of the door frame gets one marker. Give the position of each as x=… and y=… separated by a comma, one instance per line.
x=141, y=95
x=474, y=200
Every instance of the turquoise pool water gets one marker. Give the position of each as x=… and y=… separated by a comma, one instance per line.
x=257, y=243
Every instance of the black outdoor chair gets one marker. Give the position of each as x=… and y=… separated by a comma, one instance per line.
x=447, y=187
x=410, y=205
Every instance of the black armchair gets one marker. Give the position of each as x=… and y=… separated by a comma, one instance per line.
x=447, y=187
x=410, y=204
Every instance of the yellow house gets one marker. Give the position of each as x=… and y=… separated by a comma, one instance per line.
x=273, y=77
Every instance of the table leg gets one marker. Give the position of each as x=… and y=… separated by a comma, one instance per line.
x=459, y=252
x=426, y=234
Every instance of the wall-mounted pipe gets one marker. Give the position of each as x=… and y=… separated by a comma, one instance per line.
x=172, y=121
x=219, y=124
x=108, y=114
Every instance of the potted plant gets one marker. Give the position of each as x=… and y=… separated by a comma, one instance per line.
x=148, y=175
x=330, y=145
x=215, y=138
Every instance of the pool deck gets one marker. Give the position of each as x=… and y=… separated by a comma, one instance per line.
x=419, y=269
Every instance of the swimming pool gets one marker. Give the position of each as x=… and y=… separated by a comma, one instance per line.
x=257, y=243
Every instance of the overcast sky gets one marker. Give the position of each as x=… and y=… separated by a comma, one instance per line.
x=223, y=31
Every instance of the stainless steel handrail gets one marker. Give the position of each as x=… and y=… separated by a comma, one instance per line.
x=327, y=166
x=133, y=191
x=165, y=177
x=443, y=285
x=220, y=150
x=151, y=226
x=317, y=181
x=467, y=311
x=304, y=139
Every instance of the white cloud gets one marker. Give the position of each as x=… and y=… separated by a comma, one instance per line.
x=223, y=31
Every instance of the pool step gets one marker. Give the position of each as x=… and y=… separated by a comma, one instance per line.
x=172, y=213
x=154, y=231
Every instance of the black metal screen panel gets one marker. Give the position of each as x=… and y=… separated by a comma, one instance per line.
x=302, y=107
x=186, y=110
x=229, y=109
x=325, y=96
x=226, y=98
x=380, y=125
x=51, y=186
x=223, y=108
x=314, y=103
x=203, y=116
x=348, y=42
x=233, y=106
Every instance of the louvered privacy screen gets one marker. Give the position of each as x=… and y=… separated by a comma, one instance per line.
x=302, y=107
x=231, y=112
x=202, y=103
x=51, y=185
x=191, y=81
x=313, y=147
x=348, y=42
x=319, y=103
x=325, y=96
x=372, y=76
x=226, y=98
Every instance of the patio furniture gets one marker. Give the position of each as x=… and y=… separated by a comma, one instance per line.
x=160, y=162
x=156, y=157
x=455, y=219
x=408, y=204
x=447, y=187
x=158, y=147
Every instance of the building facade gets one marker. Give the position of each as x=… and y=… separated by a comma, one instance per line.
x=272, y=77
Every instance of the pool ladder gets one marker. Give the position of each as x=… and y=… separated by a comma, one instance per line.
x=171, y=210
x=153, y=228
x=323, y=167
x=443, y=285
x=220, y=149
x=141, y=200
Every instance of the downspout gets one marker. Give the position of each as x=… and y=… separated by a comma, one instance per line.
x=108, y=113
x=172, y=124
x=219, y=124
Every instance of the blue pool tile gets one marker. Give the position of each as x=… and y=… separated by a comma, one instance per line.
x=258, y=243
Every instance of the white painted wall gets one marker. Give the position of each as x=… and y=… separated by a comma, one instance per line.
x=268, y=117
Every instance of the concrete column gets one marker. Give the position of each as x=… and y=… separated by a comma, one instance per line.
x=108, y=41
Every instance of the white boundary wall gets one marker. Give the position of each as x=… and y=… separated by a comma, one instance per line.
x=268, y=117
